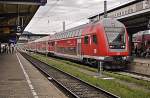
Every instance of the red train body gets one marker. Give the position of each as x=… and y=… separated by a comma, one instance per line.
x=142, y=43
x=106, y=40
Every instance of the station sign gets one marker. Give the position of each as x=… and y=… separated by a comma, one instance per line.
x=18, y=29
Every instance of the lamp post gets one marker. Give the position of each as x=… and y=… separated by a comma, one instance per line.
x=105, y=9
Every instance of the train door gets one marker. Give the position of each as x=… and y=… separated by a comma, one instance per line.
x=79, y=46
x=94, y=44
x=85, y=45
x=91, y=45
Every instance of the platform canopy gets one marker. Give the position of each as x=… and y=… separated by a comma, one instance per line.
x=15, y=16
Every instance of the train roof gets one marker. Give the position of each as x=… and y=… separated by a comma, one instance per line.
x=125, y=4
x=73, y=32
x=46, y=38
x=111, y=22
x=147, y=32
x=77, y=31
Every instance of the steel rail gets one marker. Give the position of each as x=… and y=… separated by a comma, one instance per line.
x=75, y=86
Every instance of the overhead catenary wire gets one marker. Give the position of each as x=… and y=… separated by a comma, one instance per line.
x=44, y=15
x=52, y=8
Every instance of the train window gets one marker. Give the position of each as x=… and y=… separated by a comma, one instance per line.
x=148, y=43
x=70, y=34
x=131, y=10
x=76, y=34
x=115, y=36
x=125, y=12
x=59, y=36
x=80, y=32
x=63, y=35
x=94, y=39
x=56, y=36
x=117, y=14
x=86, y=40
x=49, y=43
x=66, y=34
x=53, y=43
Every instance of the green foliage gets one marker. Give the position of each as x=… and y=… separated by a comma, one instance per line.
x=110, y=85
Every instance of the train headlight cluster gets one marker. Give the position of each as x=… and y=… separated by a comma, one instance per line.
x=111, y=46
x=122, y=47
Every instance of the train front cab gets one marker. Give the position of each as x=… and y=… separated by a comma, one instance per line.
x=107, y=43
x=117, y=44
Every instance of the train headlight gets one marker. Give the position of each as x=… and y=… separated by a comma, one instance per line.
x=111, y=46
x=123, y=47
x=124, y=58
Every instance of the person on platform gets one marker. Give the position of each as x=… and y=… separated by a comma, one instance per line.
x=136, y=50
x=7, y=48
x=12, y=48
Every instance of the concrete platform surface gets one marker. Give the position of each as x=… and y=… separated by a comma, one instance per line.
x=19, y=79
x=142, y=60
x=141, y=66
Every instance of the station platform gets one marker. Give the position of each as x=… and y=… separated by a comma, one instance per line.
x=142, y=60
x=20, y=79
x=140, y=65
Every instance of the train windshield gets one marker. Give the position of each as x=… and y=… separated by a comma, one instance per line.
x=115, y=37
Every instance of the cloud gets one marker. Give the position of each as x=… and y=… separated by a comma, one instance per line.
x=49, y=18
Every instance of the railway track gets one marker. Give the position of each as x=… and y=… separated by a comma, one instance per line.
x=135, y=75
x=74, y=86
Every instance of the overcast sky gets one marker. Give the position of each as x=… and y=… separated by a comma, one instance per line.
x=49, y=18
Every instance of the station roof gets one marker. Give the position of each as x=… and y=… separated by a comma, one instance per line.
x=26, y=33
x=118, y=7
x=15, y=16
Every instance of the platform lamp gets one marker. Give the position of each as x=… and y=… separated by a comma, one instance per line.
x=105, y=9
x=18, y=26
x=100, y=63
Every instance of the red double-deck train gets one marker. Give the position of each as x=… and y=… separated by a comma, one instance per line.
x=141, y=42
x=102, y=41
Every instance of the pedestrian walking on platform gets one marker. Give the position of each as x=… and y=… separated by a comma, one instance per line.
x=12, y=48
x=9, y=47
